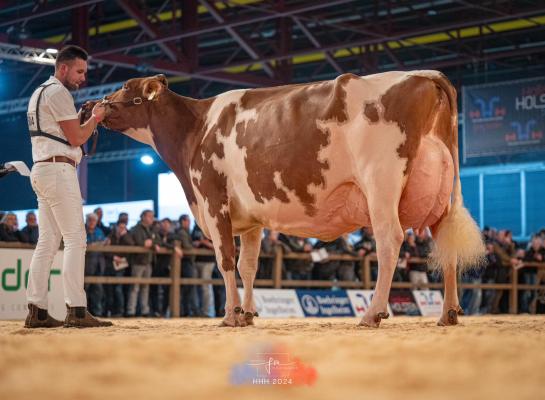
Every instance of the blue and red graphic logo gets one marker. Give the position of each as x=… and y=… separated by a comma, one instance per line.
x=273, y=365
x=487, y=109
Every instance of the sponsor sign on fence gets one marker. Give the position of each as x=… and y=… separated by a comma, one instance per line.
x=276, y=303
x=14, y=266
x=325, y=303
x=402, y=302
x=429, y=302
x=361, y=300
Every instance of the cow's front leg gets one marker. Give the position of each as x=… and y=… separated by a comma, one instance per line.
x=388, y=236
x=224, y=247
x=250, y=244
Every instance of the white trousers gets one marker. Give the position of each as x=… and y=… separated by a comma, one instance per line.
x=60, y=214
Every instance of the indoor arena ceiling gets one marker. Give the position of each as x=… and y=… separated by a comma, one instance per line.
x=207, y=46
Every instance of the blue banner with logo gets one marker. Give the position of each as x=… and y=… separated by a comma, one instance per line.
x=504, y=118
x=325, y=303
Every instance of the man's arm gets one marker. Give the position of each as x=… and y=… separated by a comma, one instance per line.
x=78, y=134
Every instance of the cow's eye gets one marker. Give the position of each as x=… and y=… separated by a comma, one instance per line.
x=125, y=87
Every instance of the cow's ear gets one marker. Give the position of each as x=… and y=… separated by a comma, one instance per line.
x=155, y=86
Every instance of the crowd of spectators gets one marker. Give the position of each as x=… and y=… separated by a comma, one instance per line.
x=503, y=256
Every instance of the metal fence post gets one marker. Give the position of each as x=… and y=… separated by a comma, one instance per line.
x=175, y=274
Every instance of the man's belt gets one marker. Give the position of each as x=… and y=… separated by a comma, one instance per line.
x=60, y=159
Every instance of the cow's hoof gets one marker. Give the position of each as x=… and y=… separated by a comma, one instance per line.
x=249, y=317
x=373, y=321
x=451, y=317
x=239, y=317
x=227, y=323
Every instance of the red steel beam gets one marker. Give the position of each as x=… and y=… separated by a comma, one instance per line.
x=190, y=21
x=374, y=41
x=158, y=66
x=318, y=4
x=49, y=10
x=147, y=26
x=80, y=26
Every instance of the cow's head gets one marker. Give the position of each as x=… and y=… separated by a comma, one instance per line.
x=129, y=107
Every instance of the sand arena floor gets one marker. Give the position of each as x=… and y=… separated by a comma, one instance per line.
x=497, y=357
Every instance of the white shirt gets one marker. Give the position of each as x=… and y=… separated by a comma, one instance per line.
x=56, y=105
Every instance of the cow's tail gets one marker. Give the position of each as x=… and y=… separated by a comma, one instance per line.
x=457, y=238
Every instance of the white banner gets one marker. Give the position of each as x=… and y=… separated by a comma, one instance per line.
x=14, y=266
x=361, y=300
x=429, y=302
x=276, y=303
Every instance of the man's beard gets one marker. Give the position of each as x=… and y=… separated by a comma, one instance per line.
x=70, y=86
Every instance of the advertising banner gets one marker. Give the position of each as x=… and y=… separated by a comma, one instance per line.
x=402, y=302
x=361, y=300
x=429, y=302
x=504, y=118
x=325, y=303
x=276, y=303
x=14, y=266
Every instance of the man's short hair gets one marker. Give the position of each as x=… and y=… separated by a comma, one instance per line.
x=145, y=212
x=166, y=219
x=69, y=53
x=183, y=217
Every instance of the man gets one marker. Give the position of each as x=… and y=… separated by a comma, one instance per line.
x=9, y=231
x=30, y=232
x=117, y=265
x=160, y=293
x=95, y=264
x=190, y=300
x=141, y=264
x=205, y=267
x=56, y=136
x=105, y=229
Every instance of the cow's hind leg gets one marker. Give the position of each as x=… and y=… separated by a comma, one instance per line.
x=250, y=244
x=389, y=236
x=451, y=306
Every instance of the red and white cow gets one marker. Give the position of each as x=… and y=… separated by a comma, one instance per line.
x=314, y=160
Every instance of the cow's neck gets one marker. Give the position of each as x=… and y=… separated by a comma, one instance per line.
x=176, y=123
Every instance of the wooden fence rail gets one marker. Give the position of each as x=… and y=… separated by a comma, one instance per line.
x=176, y=281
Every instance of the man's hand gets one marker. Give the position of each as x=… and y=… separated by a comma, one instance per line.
x=178, y=252
x=148, y=243
x=99, y=112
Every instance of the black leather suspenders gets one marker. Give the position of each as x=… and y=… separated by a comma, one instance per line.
x=38, y=131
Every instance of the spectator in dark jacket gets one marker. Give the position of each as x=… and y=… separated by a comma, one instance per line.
x=412, y=249
x=159, y=294
x=535, y=253
x=95, y=265
x=336, y=269
x=297, y=268
x=189, y=306
x=117, y=265
x=205, y=267
x=30, y=232
x=100, y=214
x=9, y=231
x=141, y=263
